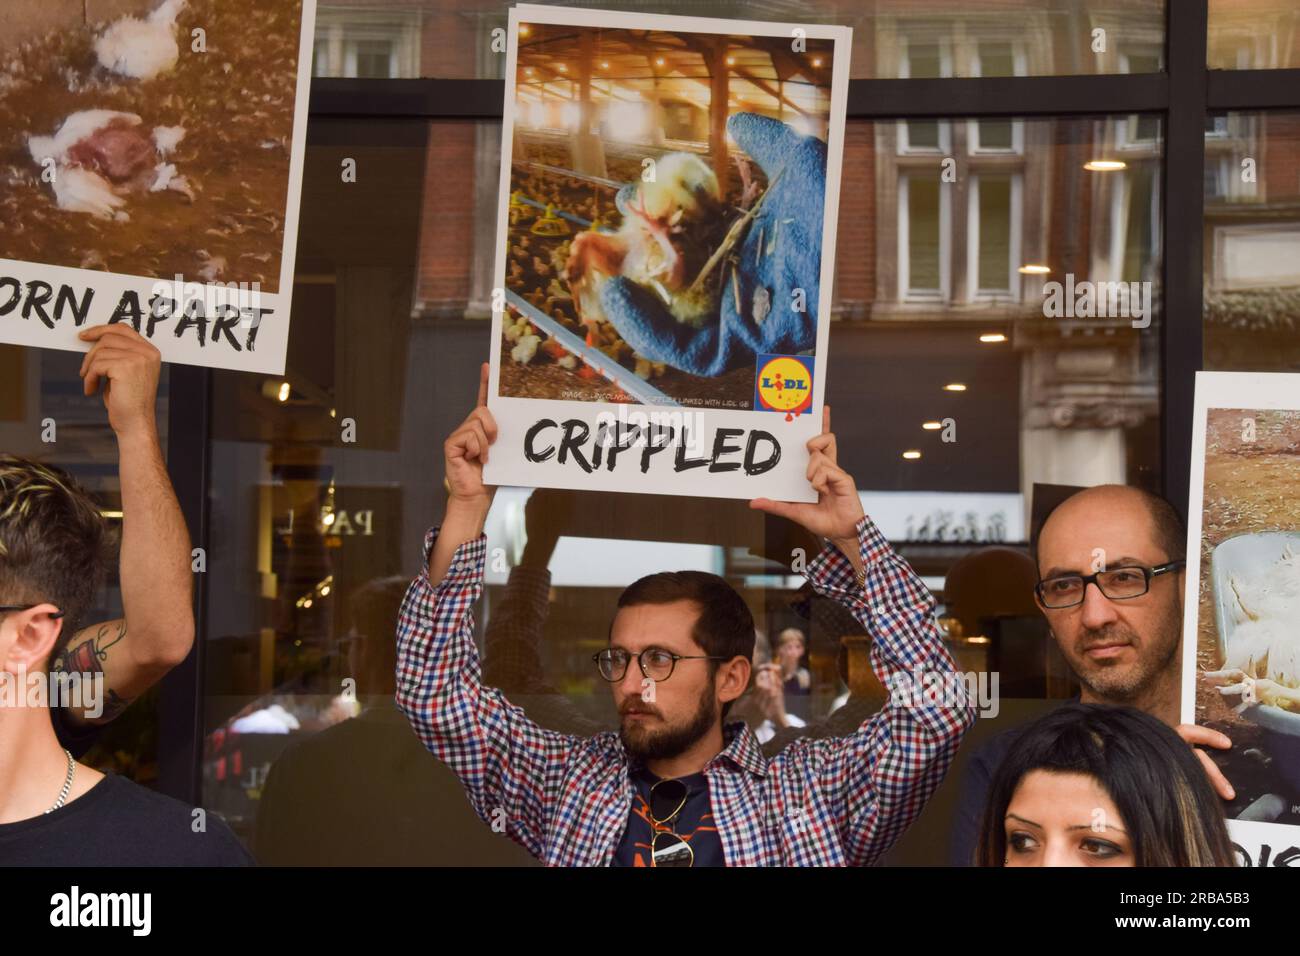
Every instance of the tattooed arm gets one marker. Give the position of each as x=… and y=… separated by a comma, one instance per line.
x=156, y=630
x=89, y=653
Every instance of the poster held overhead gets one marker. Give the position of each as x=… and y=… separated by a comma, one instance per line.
x=1241, y=649
x=156, y=176
x=666, y=251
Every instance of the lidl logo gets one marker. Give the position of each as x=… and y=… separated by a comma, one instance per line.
x=784, y=384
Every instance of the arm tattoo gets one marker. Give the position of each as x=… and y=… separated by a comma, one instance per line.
x=87, y=658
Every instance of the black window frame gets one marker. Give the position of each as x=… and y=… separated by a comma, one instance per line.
x=1182, y=96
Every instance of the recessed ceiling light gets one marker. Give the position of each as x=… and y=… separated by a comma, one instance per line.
x=912, y=455
x=932, y=426
x=954, y=387
x=993, y=337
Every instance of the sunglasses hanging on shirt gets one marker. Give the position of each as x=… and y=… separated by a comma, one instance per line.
x=667, y=798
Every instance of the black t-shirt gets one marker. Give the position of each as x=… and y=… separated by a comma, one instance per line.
x=120, y=823
x=694, y=824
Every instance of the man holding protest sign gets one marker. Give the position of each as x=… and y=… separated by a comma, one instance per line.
x=57, y=681
x=677, y=786
x=155, y=549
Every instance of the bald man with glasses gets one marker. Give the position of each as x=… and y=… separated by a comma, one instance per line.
x=1110, y=563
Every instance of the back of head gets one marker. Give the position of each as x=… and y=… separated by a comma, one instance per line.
x=54, y=543
x=1169, y=809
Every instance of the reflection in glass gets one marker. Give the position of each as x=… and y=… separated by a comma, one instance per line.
x=983, y=289
x=1252, y=242
x=1254, y=35
x=891, y=38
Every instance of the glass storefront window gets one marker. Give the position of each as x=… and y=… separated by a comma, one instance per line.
x=891, y=38
x=1252, y=242
x=322, y=491
x=1254, y=35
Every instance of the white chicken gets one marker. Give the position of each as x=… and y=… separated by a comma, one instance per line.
x=142, y=49
x=100, y=157
x=662, y=242
x=1263, y=650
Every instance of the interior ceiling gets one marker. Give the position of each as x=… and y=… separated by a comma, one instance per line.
x=764, y=70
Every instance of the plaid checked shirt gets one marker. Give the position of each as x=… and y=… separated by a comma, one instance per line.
x=827, y=802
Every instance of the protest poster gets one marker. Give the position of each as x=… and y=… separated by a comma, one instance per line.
x=1241, y=649
x=152, y=166
x=666, y=242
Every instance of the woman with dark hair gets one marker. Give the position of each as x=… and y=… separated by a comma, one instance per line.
x=1092, y=785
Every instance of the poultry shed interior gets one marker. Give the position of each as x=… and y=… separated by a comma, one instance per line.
x=535, y=266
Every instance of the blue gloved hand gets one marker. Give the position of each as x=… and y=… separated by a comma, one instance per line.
x=790, y=226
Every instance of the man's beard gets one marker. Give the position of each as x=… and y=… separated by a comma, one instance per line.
x=1123, y=685
x=669, y=742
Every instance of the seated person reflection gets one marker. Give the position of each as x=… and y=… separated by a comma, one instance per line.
x=796, y=681
x=676, y=786
x=763, y=705
x=1110, y=561
x=1094, y=785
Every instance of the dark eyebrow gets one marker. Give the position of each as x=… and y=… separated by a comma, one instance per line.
x=1125, y=561
x=1088, y=826
x=1012, y=816
x=1059, y=572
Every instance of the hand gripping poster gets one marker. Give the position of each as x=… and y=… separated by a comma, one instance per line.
x=1241, y=645
x=666, y=240
x=151, y=158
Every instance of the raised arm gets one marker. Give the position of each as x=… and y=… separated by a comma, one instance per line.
x=156, y=630
x=511, y=768
x=879, y=778
x=876, y=780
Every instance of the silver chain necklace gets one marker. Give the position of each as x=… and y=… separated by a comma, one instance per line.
x=67, y=783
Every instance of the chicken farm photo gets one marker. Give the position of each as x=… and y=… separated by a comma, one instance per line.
x=622, y=165
x=1252, y=483
x=154, y=144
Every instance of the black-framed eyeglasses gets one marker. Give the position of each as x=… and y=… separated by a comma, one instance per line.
x=667, y=798
x=655, y=662
x=5, y=608
x=1118, y=584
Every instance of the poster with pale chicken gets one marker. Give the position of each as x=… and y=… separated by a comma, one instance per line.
x=666, y=240
x=151, y=158
x=1241, y=643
